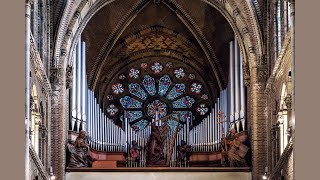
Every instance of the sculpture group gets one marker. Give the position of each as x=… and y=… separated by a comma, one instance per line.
x=79, y=152
x=233, y=149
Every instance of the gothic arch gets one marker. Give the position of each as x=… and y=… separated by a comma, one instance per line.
x=78, y=13
x=246, y=30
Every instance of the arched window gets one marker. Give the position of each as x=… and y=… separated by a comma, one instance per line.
x=283, y=119
x=282, y=23
x=35, y=120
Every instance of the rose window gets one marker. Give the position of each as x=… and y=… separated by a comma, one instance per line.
x=160, y=88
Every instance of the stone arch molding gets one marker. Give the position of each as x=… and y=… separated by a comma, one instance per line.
x=78, y=13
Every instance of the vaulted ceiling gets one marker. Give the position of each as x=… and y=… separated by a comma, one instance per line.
x=187, y=34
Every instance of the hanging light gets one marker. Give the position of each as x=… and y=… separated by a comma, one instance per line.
x=265, y=176
x=51, y=174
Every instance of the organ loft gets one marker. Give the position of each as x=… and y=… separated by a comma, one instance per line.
x=123, y=88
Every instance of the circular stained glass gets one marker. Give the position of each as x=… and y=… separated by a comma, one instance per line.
x=159, y=106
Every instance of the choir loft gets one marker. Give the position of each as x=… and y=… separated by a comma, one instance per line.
x=123, y=89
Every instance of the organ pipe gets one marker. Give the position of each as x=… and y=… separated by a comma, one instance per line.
x=83, y=84
x=231, y=75
x=78, y=78
x=74, y=87
x=236, y=78
x=242, y=107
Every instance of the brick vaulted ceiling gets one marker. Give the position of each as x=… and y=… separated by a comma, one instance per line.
x=187, y=33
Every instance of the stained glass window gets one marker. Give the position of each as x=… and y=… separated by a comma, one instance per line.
x=110, y=97
x=183, y=115
x=117, y=88
x=179, y=73
x=164, y=84
x=169, y=65
x=134, y=73
x=133, y=115
x=136, y=90
x=129, y=102
x=185, y=102
x=149, y=85
x=159, y=106
x=140, y=125
x=196, y=88
x=204, y=97
x=157, y=67
x=172, y=124
x=122, y=76
x=176, y=91
x=202, y=109
x=144, y=98
x=144, y=66
x=192, y=76
x=112, y=110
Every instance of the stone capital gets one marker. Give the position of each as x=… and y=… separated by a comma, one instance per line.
x=54, y=75
x=69, y=77
x=288, y=101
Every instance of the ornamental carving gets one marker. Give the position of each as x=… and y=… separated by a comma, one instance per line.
x=288, y=101
x=246, y=74
x=69, y=77
x=262, y=75
x=53, y=75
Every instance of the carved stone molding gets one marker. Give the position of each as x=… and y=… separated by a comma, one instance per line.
x=262, y=74
x=244, y=30
x=54, y=75
x=259, y=86
x=63, y=52
x=280, y=63
x=69, y=77
x=251, y=49
x=246, y=74
x=288, y=101
x=38, y=68
x=282, y=160
x=236, y=12
x=36, y=160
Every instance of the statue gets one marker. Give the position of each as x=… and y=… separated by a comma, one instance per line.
x=183, y=150
x=155, y=146
x=233, y=150
x=134, y=151
x=79, y=152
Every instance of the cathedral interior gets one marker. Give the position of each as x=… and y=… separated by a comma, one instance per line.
x=120, y=89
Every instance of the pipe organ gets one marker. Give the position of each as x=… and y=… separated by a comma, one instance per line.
x=227, y=112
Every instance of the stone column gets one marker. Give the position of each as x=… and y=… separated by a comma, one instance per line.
x=27, y=90
x=58, y=123
x=292, y=19
x=292, y=119
x=258, y=125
